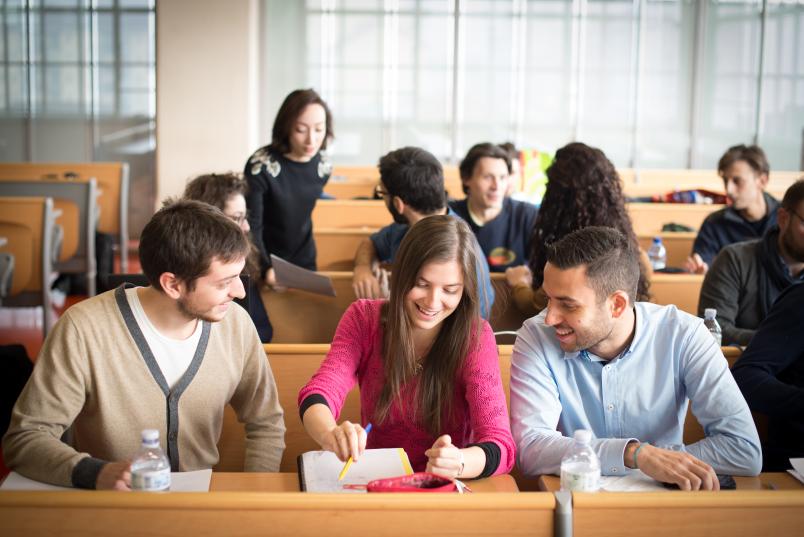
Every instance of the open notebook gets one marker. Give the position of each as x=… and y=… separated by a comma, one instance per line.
x=318, y=470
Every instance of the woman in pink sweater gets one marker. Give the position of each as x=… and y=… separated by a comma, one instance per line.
x=426, y=363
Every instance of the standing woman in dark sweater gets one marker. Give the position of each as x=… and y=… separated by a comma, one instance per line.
x=286, y=178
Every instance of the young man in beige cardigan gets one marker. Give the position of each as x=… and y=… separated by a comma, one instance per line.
x=169, y=356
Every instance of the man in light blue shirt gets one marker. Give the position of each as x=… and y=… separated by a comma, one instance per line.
x=596, y=360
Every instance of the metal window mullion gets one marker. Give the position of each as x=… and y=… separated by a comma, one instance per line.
x=94, y=80
x=118, y=60
x=519, y=22
x=6, y=63
x=637, y=71
x=759, y=108
x=696, y=84
x=456, y=69
x=578, y=32
x=29, y=83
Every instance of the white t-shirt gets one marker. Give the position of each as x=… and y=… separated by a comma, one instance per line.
x=172, y=355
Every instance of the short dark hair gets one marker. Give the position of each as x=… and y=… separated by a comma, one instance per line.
x=612, y=262
x=477, y=152
x=215, y=188
x=753, y=155
x=793, y=195
x=183, y=237
x=510, y=148
x=291, y=108
x=416, y=176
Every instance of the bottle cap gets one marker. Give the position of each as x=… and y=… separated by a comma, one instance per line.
x=584, y=436
x=710, y=313
x=657, y=240
x=150, y=435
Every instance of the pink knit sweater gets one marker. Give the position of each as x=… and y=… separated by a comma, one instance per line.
x=480, y=413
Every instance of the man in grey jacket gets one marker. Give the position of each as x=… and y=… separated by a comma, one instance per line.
x=747, y=277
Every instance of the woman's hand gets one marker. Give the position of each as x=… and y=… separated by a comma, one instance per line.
x=345, y=440
x=444, y=459
x=270, y=281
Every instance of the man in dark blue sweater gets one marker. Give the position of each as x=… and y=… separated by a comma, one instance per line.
x=752, y=211
x=502, y=225
x=770, y=373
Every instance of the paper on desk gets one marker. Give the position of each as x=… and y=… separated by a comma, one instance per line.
x=290, y=275
x=320, y=469
x=635, y=481
x=197, y=481
x=798, y=469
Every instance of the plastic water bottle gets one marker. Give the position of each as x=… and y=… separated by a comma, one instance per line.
x=657, y=254
x=150, y=469
x=710, y=321
x=580, y=467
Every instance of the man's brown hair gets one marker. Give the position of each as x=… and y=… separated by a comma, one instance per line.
x=753, y=155
x=183, y=237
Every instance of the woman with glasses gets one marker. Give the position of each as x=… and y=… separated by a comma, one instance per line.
x=227, y=192
x=285, y=179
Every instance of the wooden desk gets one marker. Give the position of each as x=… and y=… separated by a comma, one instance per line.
x=289, y=482
x=229, y=510
x=764, y=481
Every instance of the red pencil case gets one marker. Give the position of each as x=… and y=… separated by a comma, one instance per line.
x=418, y=482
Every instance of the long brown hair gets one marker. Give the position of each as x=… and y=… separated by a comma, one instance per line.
x=435, y=239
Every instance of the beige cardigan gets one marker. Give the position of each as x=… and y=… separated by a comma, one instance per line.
x=96, y=374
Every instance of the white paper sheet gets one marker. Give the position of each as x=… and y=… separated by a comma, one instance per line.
x=798, y=469
x=290, y=275
x=635, y=481
x=197, y=481
x=321, y=469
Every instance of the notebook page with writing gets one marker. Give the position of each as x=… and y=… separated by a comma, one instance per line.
x=318, y=470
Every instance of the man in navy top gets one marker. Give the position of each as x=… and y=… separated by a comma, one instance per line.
x=502, y=225
x=770, y=374
x=752, y=211
x=595, y=359
x=412, y=185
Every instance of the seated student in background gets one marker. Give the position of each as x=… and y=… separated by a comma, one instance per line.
x=501, y=224
x=595, y=359
x=770, y=374
x=227, y=192
x=286, y=178
x=412, y=185
x=425, y=361
x=583, y=189
x=751, y=212
x=169, y=356
x=746, y=278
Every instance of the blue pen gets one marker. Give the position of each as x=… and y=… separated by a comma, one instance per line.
x=349, y=462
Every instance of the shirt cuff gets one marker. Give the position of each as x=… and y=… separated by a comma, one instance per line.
x=85, y=473
x=612, y=456
x=310, y=400
x=492, y=452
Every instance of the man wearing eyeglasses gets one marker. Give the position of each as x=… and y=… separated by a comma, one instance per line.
x=746, y=278
x=412, y=185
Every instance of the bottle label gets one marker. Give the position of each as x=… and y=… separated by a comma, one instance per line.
x=151, y=481
x=588, y=481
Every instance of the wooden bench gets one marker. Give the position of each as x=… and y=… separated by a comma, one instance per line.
x=77, y=202
x=28, y=223
x=112, y=179
x=647, y=218
x=679, y=289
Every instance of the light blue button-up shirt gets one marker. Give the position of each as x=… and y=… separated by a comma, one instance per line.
x=640, y=395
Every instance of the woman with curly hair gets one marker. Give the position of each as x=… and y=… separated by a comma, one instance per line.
x=583, y=189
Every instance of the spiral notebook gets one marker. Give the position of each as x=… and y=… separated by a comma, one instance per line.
x=318, y=470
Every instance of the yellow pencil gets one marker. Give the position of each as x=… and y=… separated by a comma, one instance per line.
x=350, y=461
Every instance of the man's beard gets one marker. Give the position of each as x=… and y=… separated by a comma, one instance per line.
x=795, y=251
x=398, y=217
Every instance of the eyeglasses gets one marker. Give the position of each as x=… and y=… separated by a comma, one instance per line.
x=379, y=192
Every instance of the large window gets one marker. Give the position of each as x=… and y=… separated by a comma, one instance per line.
x=654, y=83
x=77, y=83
